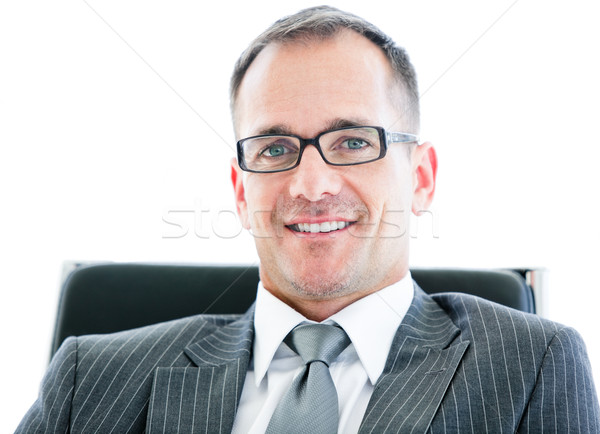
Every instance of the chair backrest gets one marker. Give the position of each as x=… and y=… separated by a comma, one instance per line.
x=105, y=298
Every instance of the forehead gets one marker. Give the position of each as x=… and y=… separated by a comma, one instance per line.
x=306, y=85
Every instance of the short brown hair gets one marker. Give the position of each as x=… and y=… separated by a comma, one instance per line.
x=323, y=22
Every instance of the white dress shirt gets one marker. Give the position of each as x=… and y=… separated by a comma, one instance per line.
x=371, y=324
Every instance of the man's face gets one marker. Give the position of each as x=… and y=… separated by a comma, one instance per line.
x=305, y=89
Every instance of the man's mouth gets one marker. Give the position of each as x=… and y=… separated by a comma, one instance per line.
x=324, y=227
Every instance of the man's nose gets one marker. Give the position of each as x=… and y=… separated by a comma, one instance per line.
x=314, y=179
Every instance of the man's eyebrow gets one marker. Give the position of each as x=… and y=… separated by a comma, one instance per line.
x=343, y=123
x=282, y=129
x=276, y=129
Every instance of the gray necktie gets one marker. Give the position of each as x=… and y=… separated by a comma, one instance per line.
x=311, y=405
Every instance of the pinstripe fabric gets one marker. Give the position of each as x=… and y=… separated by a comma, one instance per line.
x=204, y=399
x=521, y=374
x=458, y=364
x=104, y=384
x=518, y=373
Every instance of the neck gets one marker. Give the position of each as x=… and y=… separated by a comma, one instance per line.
x=319, y=308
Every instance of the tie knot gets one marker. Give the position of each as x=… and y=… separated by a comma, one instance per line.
x=317, y=342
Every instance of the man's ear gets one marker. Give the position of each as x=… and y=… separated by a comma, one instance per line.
x=237, y=178
x=424, y=170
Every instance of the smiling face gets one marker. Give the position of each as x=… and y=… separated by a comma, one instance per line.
x=328, y=235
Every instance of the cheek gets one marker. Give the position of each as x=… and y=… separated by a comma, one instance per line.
x=395, y=211
x=261, y=198
x=391, y=186
x=391, y=195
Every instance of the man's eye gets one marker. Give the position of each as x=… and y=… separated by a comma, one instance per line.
x=355, y=143
x=274, y=151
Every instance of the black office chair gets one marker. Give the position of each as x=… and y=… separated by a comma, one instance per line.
x=105, y=298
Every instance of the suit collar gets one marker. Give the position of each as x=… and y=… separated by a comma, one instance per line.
x=224, y=344
x=424, y=356
x=204, y=398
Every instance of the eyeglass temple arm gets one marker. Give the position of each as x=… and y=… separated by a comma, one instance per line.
x=401, y=137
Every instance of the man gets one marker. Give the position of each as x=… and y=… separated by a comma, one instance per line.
x=329, y=167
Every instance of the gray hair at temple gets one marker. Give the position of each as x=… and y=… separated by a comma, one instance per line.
x=323, y=22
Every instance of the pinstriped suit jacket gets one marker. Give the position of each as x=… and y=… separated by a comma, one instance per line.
x=457, y=364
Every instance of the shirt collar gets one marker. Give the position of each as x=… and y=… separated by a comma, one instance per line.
x=273, y=320
x=370, y=322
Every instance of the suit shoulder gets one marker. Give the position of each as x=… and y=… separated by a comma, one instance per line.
x=530, y=369
x=474, y=315
x=155, y=338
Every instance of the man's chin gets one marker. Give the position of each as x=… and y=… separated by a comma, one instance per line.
x=321, y=288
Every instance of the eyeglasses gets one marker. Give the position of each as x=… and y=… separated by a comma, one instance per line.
x=340, y=147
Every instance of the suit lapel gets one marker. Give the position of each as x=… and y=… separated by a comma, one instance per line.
x=423, y=358
x=204, y=398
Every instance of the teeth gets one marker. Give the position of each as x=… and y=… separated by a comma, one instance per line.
x=319, y=227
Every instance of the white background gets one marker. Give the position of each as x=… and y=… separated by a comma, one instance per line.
x=114, y=113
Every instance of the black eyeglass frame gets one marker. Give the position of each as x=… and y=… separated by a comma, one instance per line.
x=385, y=138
